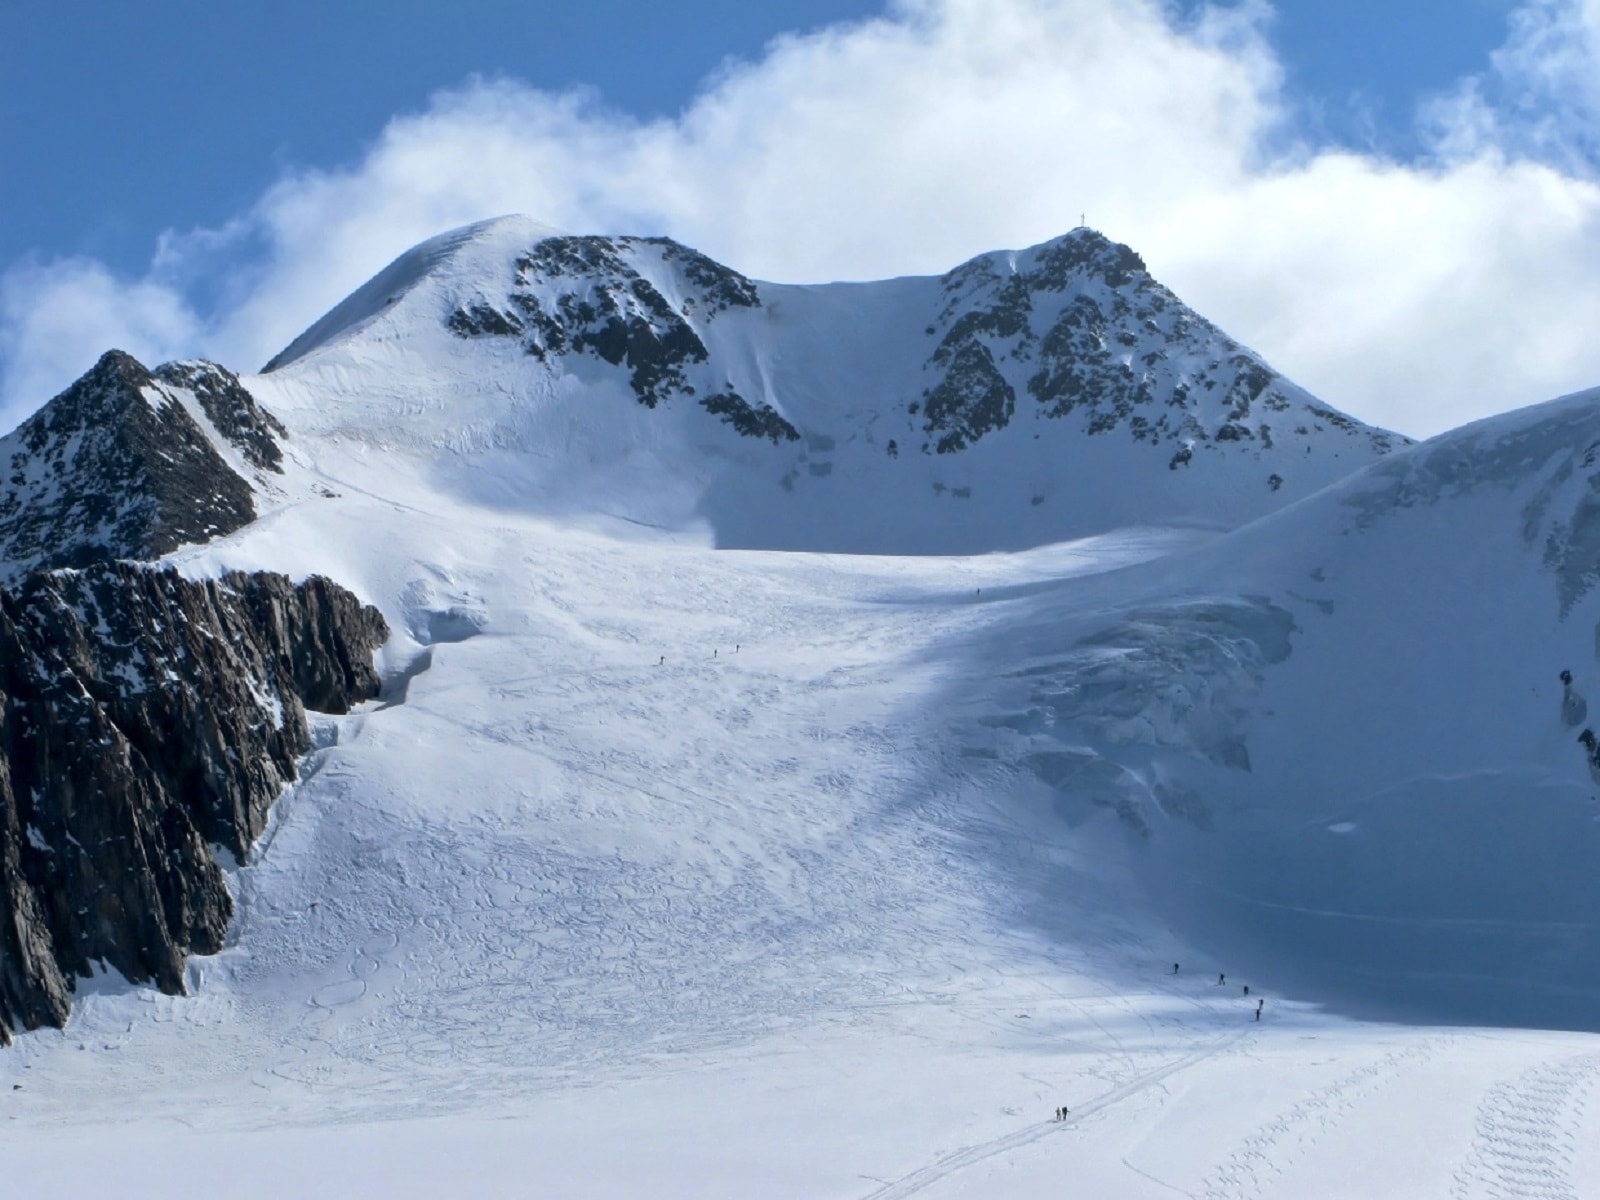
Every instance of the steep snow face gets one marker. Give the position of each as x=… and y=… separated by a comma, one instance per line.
x=1355, y=738
x=385, y=289
x=1021, y=399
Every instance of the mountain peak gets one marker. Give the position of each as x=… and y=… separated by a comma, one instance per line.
x=132, y=463
x=1087, y=251
x=1056, y=391
x=392, y=284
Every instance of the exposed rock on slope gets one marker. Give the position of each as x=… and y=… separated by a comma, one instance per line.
x=582, y=295
x=143, y=719
x=1025, y=397
x=129, y=463
x=1077, y=325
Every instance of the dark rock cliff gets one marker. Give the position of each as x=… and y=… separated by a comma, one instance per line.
x=121, y=465
x=582, y=296
x=1080, y=326
x=144, y=719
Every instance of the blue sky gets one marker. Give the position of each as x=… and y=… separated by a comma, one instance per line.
x=1397, y=203
x=177, y=113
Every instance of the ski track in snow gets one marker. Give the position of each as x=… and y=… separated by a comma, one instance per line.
x=970, y=1156
x=1526, y=1134
x=1274, y=1147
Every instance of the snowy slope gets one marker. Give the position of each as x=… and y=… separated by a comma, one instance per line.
x=794, y=912
x=718, y=872
x=1352, y=735
x=1021, y=399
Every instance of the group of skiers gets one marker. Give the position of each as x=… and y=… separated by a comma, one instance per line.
x=736, y=646
x=1222, y=981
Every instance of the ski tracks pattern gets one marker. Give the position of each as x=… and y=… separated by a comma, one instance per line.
x=1527, y=1132
x=925, y=1177
x=1279, y=1143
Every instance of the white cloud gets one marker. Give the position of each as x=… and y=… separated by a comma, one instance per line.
x=56, y=320
x=1541, y=97
x=1413, y=295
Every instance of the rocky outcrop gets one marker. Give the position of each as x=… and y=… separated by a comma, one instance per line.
x=1074, y=331
x=1079, y=326
x=231, y=410
x=586, y=296
x=145, y=719
x=130, y=463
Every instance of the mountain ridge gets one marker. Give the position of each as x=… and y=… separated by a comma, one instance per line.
x=1041, y=394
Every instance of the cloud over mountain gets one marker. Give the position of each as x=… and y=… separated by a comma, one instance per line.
x=1415, y=294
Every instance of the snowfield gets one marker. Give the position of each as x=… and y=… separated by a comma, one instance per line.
x=669, y=869
x=797, y=918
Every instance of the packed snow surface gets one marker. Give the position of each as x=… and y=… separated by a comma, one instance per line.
x=669, y=869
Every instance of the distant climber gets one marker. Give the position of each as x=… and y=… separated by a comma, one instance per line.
x=1247, y=989
x=1221, y=979
x=1260, y=1004
x=663, y=661
x=1574, y=708
x=1174, y=968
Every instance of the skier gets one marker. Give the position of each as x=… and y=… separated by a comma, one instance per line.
x=1260, y=1004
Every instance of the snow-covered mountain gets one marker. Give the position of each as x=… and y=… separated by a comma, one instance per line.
x=1020, y=399
x=677, y=854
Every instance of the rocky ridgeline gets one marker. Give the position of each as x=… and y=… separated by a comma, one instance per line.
x=144, y=720
x=1078, y=326
x=123, y=465
x=1074, y=328
x=583, y=296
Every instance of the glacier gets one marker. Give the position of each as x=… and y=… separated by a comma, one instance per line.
x=721, y=837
